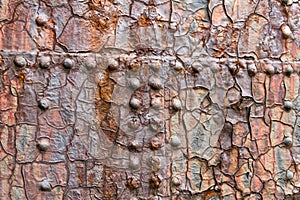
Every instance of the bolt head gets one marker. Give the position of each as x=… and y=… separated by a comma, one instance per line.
x=288, y=70
x=43, y=104
x=45, y=62
x=176, y=104
x=41, y=20
x=269, y=68
x=43, y=144
x=288, y=105
x=286, y=31
x=45, y=186
x=288, y=141
x=113, y=64
x=135, y=103
x=20, y=61
x=134, y=83
x=175, y=141
x=155, y=143
x=155, y=83
x=252, y=70
x=289, y=175
x=176, y=181
x=68, y=63
x=134, y=123
x=156, y=103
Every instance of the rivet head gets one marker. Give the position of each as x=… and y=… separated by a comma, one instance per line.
x=252, y=70
x=233, y=68
x=41, y=20
x=135, y=103
x=288, y=70
x=90, y=63
x=156, y=103
x=20, y=61
x=286, y=31
x=44, y=185
x=45, y=62
x=176, y=65
x=43, y=144
x=288, y=141
x=270, y=69
x=288, y=105
x=176, y=181
x=196, y=66
x=175, y=141
x=155, y=66
x=113, y=64
x=155, y=143
x=133, y=183
x=134, y=83
x=135, y=146
x=134, y=123
x=43, y=104
x=68, y=63
x=289, y=174
x=155, y=83
x=176, y=104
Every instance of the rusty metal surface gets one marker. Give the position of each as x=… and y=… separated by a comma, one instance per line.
x=147, y=99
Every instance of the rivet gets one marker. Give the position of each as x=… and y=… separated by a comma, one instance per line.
x=68, y=63
x=43, y=104
x=175, y=141
x=43, y=144
x=269, y=68
x=20, y=61
x=113, y=64
x=252, y=70
x=155, y=143
x=156, y=103
x=176, y=104
x=196, y=66
x=176, y=181
x=155, y=83
x=286, y=31
x=288, y=70
x=90, y=63
x=41, y=20
x=176, y=65
x=155, y=66
x=288, y=105
x=135, y=103
x=135, y=146
x=45, y=62
x=133, y=183
x=134, y=83
x=289, y=174
x=233, y=68
x=44, y=185
x=134, y=123
x=288, y=141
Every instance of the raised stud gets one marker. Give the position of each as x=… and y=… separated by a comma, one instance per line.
x=41, y=20
x=155, y=143
x=113, y=64
x=233, y=68
x=45, y=62
x=20, y=61
x=134, y=123
x=289, y=175
x=252, y=70
x=176, y=181
x=286, y=31
x=43, y=144
x=288, y=70
x=135, y=103
x=156, y=103
x=269, y=68
x=176, y=104
x=44, y=185
x=288, y=142
x=43, y=104
x=155, y=83
x=68, y=63
x=196, y=67
x=175, y=141
x=288, y=105
x=134, y=163
x=135, y=146
x=134, y=83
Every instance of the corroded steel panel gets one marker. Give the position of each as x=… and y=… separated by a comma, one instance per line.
x=147, y=99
